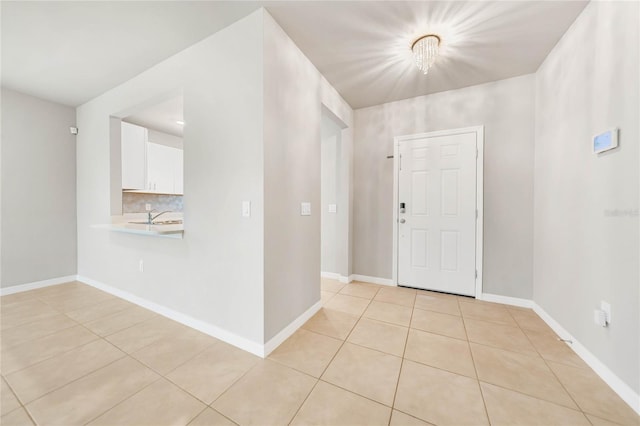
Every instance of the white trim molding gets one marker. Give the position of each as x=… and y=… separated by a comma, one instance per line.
x=336, y=276
x=372, y=280
x=233, y=339
x=206, y=328
x=506, y=300
x=623, y=390
x=479, y=132
x=293, y=326
x=37, y=284
x=330, y=275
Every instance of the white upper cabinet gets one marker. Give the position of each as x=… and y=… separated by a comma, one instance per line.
x=133, y=151
x=150, y=167
x=159, y=168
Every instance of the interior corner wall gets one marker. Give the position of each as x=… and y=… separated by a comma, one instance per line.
x=506, y=109
x=586, y=241
x=294, y=92
x=215, y=274
x=38, y=190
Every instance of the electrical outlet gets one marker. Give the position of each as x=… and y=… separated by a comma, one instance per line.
x=305, y=209
x=333, y=208
x=606, y=308
x=246, y=209
x=147, y=207
x=141, y=265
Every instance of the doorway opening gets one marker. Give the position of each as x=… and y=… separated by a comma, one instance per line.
x=334, y=198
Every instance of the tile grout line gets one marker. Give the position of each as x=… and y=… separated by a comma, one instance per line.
x=125, y=399
x=21, y=405
x=334, y=356
x=67, y=384
x=126, y=354
x=550, y=369
x=475, y=368
x=404, y=351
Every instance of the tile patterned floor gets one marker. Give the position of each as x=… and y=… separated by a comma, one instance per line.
x=73, y=355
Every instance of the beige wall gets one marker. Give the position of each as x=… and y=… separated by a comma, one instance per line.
x=294, y=92
x=583, y=252
x=38, y=190
x=215, y=274
x=506, y=109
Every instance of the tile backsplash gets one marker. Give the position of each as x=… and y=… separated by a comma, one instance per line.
x=134, y=202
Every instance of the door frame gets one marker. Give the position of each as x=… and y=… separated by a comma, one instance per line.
x=479, y=131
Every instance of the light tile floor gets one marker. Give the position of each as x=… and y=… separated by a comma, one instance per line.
x=72, y=355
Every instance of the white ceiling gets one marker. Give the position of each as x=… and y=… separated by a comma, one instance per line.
x=363, y=48
x=70, y=52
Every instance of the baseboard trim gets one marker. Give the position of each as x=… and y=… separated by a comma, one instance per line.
x=336, y=276
x=36, y=285
x=293, y=326
x=372, y=280
x=330, y=275
x=344, y=280
x=206, y=328
x=610, y=378
x=506, y=300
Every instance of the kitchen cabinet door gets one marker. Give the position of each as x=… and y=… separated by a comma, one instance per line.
x=133, y=152
x=160, y=168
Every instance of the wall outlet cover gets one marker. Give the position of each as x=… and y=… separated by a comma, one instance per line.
x=333, y=208
x=305, y=209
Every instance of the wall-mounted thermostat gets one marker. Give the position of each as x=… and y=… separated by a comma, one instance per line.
x=605, y=141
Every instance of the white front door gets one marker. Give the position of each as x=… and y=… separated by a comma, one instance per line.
x=437, y=213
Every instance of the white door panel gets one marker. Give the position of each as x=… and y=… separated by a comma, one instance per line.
x=436, y=232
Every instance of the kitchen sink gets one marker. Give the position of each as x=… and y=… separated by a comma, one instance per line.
x=161, y=222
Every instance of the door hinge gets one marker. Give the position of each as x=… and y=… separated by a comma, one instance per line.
x=476, y=213
x=399, y=161
x=477, y=153
x=476, y=273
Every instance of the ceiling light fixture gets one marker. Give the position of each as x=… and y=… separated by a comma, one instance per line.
x=425, y=51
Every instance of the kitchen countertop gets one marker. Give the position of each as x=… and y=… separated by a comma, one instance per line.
x=122, y=224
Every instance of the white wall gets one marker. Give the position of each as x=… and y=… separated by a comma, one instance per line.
x=38, y=190
x=582, y=253
x=329, y=179
x=506, y=109
x=294, y=92
x=215, y=274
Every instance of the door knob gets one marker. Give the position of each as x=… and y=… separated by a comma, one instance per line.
x=402, y=221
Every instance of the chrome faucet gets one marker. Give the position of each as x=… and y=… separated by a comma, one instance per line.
x=151, y=218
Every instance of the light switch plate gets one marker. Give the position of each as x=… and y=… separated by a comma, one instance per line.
x=333, y=208
x=305, y=209
x=606, y=308
x=246, y=209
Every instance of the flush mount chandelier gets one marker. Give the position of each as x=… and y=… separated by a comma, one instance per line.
x=425, y=51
